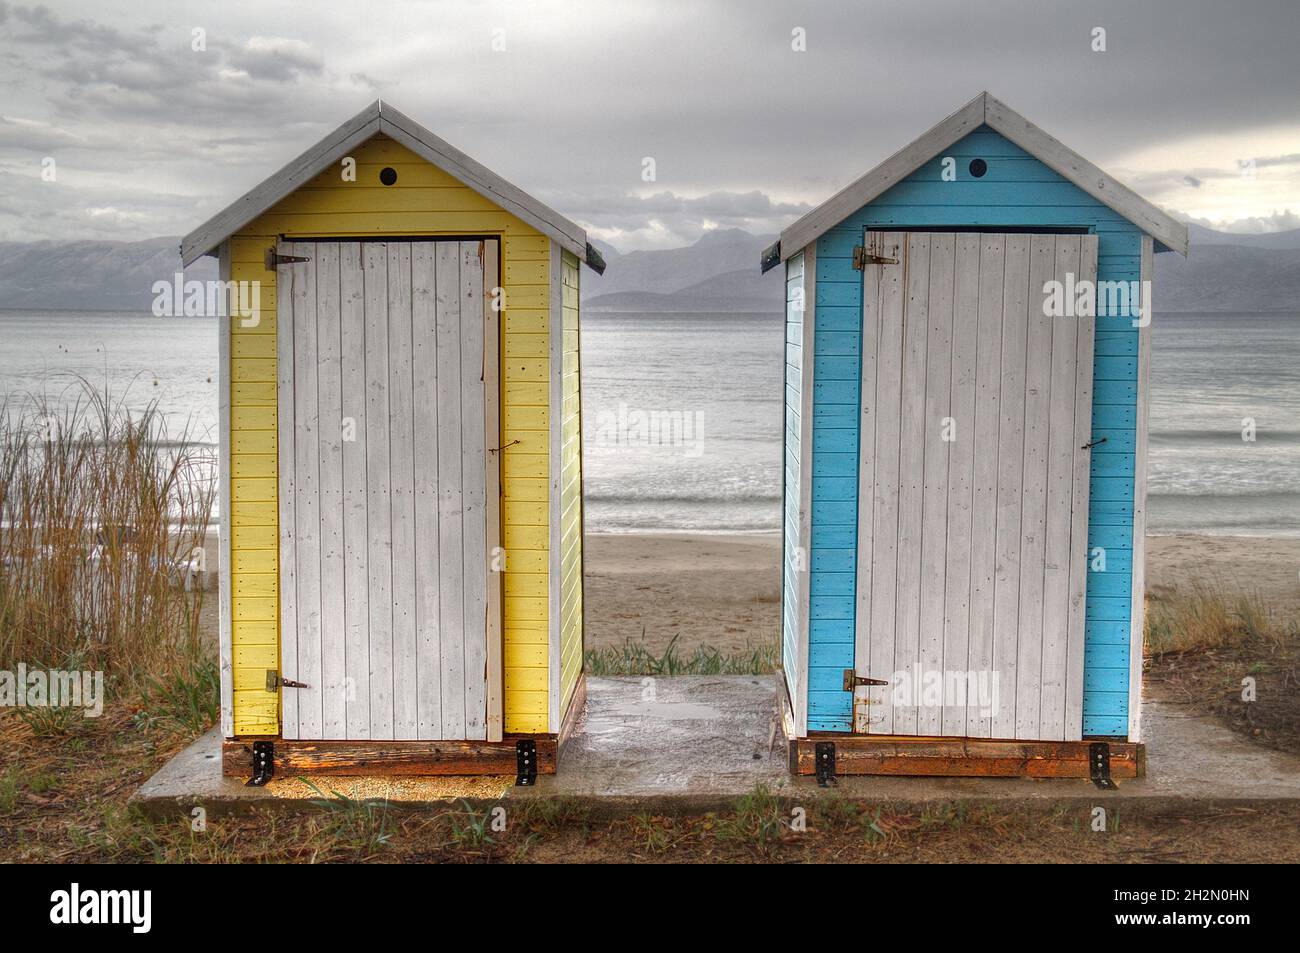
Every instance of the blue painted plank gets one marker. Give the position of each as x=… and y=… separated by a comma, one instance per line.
x=1114, y=392
x=1111, y=464
x=838, y=342
x=1120, y=416
x=1110, y=512
x=1097, y=727
x=831, y=607
x=1110, y=584
x=830, y=631
x=835, y=464
x=1107, y=608
x=1102, y=704
x=834, y=560
x=1117, y=560
x=1118, y=440
x=830, y=655
x=1106, y=635
x=835, y=488
x=1115, y=368
x=833, y=319
x=1111, y=488
x=835, y=511
x=828, y=368
x=1110, y=537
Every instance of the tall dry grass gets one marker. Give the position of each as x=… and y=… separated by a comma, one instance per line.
x=101, y=514
x=1203, y=617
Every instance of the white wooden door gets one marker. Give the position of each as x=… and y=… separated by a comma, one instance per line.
x=388, y=489
x=973, y=495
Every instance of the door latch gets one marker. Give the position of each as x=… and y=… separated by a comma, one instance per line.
x=1092, y=443
x=274, y=681
x=852, y=680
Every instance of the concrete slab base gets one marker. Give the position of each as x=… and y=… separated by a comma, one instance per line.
x=698, y=743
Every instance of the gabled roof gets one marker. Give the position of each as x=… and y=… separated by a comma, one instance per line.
x=379, y=117
x=983, y=110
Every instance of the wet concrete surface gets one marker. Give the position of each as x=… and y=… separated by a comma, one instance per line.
x=698, y=743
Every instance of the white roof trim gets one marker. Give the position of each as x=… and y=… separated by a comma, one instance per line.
x=984, y=109
x=374, y=119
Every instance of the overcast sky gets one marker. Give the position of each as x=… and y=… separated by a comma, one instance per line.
x=150, y=136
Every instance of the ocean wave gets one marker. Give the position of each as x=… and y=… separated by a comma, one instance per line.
x=1227, y=435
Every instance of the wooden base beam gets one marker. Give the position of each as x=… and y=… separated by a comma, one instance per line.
x=963, y=757
x=380, y=758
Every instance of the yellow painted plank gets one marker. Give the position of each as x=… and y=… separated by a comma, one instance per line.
x=525, y=584
x=524, y=513
x=524, y=655
x=525, y=560
x=528, y=466
x=524, y=608
x=252, y=369
x=250, y=585
x=532, y=393
x=255, y=609
x=256, y=632
x=521, y=442
x=250, y=393
x=524, y=537
x=253, y=441
x=255, y=537
x=254, y=465
x=256, y=656
x=255, y=560
x=253, y=514
x=518, y=488
x=527, y=703
x=519, y=370
x=259, y=490
x=519, y=680
x=526, y=345
x=252, y=346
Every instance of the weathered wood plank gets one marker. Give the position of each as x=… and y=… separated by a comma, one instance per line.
x=400, y=480
x=474, y=559
x=963, y=757
x=333, y=675
x=380, y=758
x=451, y=534
x=307, y=526
x=428, y=569
x=356, y=535
x=379, y=567
x=287, y=428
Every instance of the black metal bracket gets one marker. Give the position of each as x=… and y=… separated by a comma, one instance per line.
x=1099, y=765
x=526, y=762
x=263, y=763
x=275, y=681
x=852, y=680
x=274, y=259
x=825, y=757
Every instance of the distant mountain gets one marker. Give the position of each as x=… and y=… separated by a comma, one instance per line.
x=1224, y=272
x=1228, y=278
x=91, y=275
x=1200, y=235
x=686, y=271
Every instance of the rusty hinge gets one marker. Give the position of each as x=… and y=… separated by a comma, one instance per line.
x=852, y=680
x=274, y=259
x=274, y=681
x=861, y=258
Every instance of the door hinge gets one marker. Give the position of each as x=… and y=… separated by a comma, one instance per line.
x=1099, y=765
x=852, y=680
x=274, y=681
x=825, y=759
x=263, y=763
x=274, y=259
x=525, y=762
x=861, y=258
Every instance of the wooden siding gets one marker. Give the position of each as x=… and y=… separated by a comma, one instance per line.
x=425, y=201
x=794, y=559
x=570, y=495
x=1017, y=191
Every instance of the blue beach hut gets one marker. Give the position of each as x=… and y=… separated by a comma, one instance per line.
x=966, y=386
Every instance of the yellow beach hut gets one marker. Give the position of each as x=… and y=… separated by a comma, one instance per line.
x=400, y=463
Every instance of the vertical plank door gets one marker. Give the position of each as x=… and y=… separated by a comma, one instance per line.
x=387, y=389
x=973, y=494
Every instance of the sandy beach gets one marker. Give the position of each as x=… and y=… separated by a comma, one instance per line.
x=724, y=590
